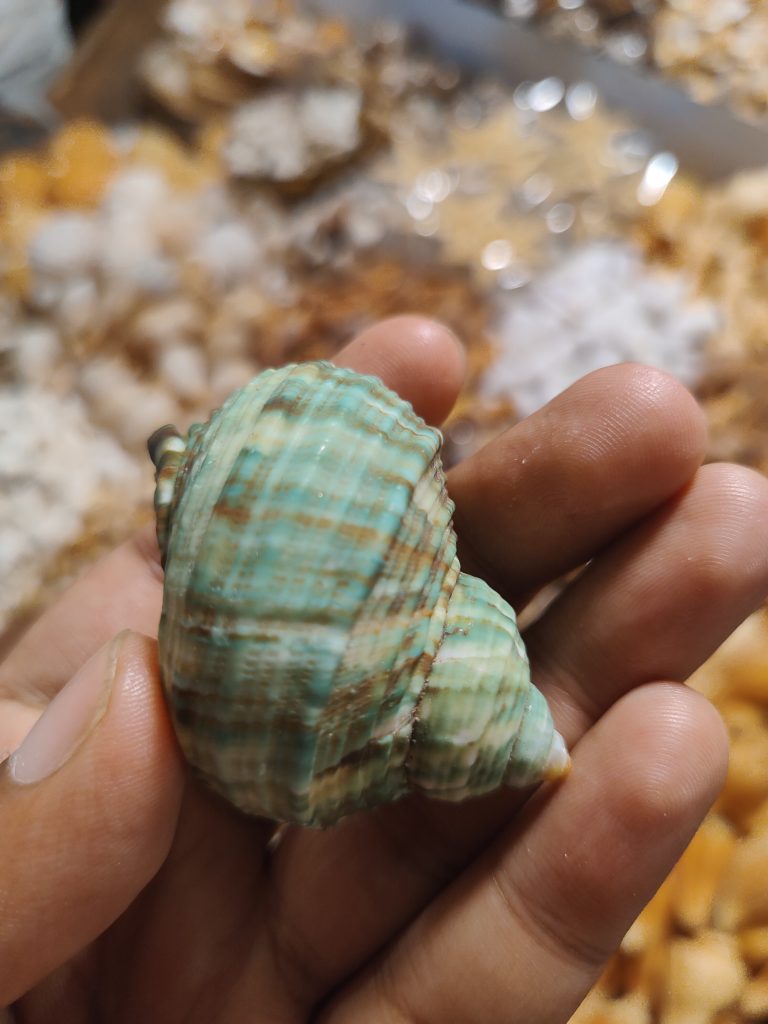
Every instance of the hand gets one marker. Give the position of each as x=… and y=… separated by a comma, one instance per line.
x=129, y=894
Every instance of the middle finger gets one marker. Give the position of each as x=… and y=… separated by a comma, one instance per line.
x=556, y=488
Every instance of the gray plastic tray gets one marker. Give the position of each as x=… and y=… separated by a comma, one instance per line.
x=709, y=140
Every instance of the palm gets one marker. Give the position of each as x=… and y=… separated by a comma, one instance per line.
x=424, y=911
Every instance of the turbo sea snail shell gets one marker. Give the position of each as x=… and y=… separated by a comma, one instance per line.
x=320, y=647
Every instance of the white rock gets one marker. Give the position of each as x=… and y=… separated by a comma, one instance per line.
x=45, y=292
x=52, y=465
x=130, y=408
x=136, y=191
x=103, y=376
x=229, y=254
x=331, y=118
x=601, y=305
x=283, y=137
x=66, y=244
x=266, y=140
x=78, y=307
x=230, y=375
x=36, y=348
x=169, y=322
x=185, y=371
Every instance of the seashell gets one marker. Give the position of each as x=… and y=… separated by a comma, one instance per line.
x=321, y=649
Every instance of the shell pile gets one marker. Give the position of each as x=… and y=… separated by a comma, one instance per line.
x=321, y=649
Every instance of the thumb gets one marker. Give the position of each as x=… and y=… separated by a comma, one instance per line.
x=88, y=808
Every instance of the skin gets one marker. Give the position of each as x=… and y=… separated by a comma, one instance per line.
x=130, y=894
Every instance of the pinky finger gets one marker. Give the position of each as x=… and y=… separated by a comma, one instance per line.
x=524, y=933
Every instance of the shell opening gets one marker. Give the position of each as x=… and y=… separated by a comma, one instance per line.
x=166, y=449
x=163, y=440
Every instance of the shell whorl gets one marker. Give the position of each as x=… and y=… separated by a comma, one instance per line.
x=321, y=649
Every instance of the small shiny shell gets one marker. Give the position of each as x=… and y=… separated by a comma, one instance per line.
x=321, y=650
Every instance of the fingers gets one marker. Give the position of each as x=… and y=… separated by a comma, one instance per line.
x=88, y=806
x=524, y=932
x=420, y=359
x=550, y=492
x=416, y=357
x=658, y=602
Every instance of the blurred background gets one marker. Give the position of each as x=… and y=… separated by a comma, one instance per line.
x=192, y=190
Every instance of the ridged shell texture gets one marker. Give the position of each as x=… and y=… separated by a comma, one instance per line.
x=321, y=650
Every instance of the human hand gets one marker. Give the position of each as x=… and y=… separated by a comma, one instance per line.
x=129, y=894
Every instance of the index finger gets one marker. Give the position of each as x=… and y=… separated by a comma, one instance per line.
x=559, y=486
x=416, y=357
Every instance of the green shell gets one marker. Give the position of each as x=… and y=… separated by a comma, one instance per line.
x=321, y=650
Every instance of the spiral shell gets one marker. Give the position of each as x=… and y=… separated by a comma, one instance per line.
x=320, y=647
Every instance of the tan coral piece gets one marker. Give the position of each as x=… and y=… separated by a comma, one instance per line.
x=753, y=943
x=746, y=785
x=745, y=661
x=651, y=925
x=600, y=1010
x=706, y=975
x=81, y=161
x=23, y=180
x=758, y=822
x=743, y=895
x=754, y=999
x=697, y=875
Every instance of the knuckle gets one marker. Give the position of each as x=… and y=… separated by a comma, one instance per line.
x=545, y=922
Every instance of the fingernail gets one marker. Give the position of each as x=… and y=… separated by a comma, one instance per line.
x=70, y=717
